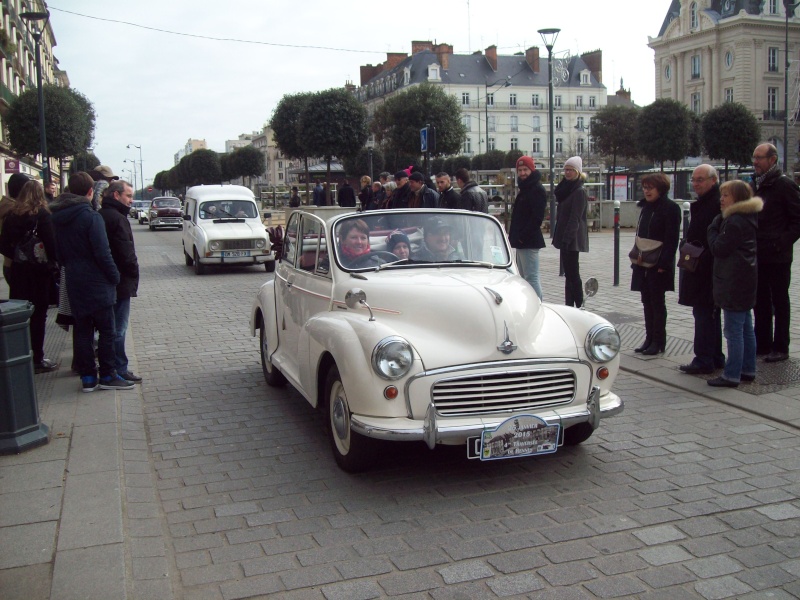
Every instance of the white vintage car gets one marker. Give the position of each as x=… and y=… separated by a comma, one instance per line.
x=415, y=325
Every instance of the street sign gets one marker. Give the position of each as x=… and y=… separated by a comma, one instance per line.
x=423, y=139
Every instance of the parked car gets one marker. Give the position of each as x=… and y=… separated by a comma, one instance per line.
x=165, y=211
x=448, y=346
x=139, y=210
x=223, y=227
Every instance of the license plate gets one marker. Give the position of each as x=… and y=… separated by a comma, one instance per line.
x=524, y=435
x=235, y=253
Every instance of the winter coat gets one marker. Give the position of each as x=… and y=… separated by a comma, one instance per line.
x=424, y=198
x=474, y=198
x=659, y=220
x=695, y=289
x=347, y=196
x=732, y=238
x=29, y=282
x=365, y=196
x=450, y=199
x=525, y=230
x=572, y=230
x=123, y=251
x=779, y=222
x=318, y=196
x=6, y=204
x=83, y=250
x=401, y=196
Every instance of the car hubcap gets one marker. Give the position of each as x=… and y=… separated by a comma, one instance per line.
x=265, y=352
x=339, y=419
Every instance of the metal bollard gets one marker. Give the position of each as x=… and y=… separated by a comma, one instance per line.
x=616, y=242
x=686, y=221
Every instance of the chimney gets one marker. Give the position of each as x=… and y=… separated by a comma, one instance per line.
x=348, y=86
x=393, y=59
x=368, y=72
x=417, y=47
x=443, y=52
x=594, y=60
x=532, y=58
x=491, y=56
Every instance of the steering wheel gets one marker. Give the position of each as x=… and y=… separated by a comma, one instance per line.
x=382, y=254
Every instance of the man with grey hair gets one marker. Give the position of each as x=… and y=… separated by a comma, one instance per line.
x=778, y=230
x=117, y=200
x=695, y=289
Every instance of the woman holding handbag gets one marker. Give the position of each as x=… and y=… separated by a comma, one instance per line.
x=27, y=280
x=571, y=234
x=659, y=221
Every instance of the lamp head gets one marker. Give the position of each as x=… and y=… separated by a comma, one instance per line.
x=549, y=37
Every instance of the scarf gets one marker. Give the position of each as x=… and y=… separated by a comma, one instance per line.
x=759, y=179
x=565, y=187
x=351, y=254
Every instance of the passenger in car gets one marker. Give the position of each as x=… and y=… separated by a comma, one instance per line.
x=398, y=244
x=436, y=243
x=354, y=247
x=210, y=211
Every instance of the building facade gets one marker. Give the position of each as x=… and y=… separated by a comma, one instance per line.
x=713, y=51
x=503, y=99
x=17, y=74
x=191, y=146
x=276, y=173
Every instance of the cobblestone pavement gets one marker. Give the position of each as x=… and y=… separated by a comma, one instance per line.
x=227, y=489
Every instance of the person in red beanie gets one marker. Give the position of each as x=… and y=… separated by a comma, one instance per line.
x=525, y=232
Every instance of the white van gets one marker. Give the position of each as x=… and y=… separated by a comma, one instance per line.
x=222, y=227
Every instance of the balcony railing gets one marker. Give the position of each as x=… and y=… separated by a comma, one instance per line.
x=774, y=115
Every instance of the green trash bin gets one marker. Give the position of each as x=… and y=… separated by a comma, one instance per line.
x=20, y=427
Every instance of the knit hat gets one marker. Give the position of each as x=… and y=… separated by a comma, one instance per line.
x=395, y=238
x=401, y=175
x=576, y=163
x=15, y=184
x=417, y=176
x=526, y=161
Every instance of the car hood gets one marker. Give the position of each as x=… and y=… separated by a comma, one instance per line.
x=465, y=315
x=231, y=230
x=167, y=211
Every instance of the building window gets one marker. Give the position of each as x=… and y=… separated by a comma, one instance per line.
x=537, y=145
x=728, y=59
x=557, y=101
x=728, y=94
x=406, y=76
x=280, y=176
x=490, y=147
x=695, y=103
x=280, y=164
x=772, y=7
x=579, y=101
x=536, y=124
x=433, y=73
x=592, y=102
x=467, y=147
x=514, y=123
x=584, y=79
x=696, y=66
x=467, y=121
x=559, y=123
x=668, y=72
x=693, y=15
x=579, y=126
x=772, y=101
x=535, y=100
x=490, y=124
x=512, y=99
x=559, y=145
x=489, y=99
x=464, y=98
x=579, y=146
x=772, y=60
x=514, y=143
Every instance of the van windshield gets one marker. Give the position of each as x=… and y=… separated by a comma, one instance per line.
x=226, y=209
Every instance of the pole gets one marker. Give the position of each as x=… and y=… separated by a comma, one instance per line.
x=616, y=243
x=369, y=151
x=787, y=7
x=37, y=37
x=552, y=138
x=141, y=173
x=686, y=206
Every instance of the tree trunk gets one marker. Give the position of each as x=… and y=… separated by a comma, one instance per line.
x=726, y=169
x=308, y=184
x=328, y=201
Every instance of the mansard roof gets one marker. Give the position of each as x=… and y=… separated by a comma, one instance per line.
x=718, y=11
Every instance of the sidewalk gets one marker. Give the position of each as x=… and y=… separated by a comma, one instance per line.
x=80, y=518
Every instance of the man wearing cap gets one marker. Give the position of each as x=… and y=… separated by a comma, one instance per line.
x=402, y=194
x=421, y=195
x=525, y=231
x=448, y=197
x=473, y=197
x=102, y=176
x=294, y=201
x=436, y=243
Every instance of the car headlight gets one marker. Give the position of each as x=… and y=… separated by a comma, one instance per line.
x=392, y=358
x=153, y=213
x=602, y=342
x=215, y=245
x=261, y=243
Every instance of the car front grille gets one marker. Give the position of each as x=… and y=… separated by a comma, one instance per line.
x=238, y=244
x=503, y=392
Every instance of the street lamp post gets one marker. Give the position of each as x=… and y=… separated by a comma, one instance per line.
x=549, y=37
x=134, y=170
x=370, y=147
x=141, y=169
x=788, y=6
x=32, y=18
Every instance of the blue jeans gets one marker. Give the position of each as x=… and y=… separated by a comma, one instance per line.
x=122, y=313
x=741, y=340
x=83, y=336
x=528, y=264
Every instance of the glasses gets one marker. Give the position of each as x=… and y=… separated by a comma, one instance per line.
x=755, y=158
x=698, y=179
x=570, y=170
x=647, y=188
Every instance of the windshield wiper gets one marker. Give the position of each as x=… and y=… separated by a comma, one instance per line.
x=481, y=263
x=394, y=262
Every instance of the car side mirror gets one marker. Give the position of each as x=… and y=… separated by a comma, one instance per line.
x=187, y=217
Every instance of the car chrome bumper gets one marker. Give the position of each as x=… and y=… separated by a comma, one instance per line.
x=168, y=221
x=437, y=430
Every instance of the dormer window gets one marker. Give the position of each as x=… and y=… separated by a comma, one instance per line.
x=693, y=15
x=434, y=73
x=406, y=76
x=586, y=77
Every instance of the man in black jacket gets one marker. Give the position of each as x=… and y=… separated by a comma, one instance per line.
x=448, y=197
x=473, y=197
x=525, y=232
x=117, y=200
x=347, y=195
x=778, y=230
x=695, y=289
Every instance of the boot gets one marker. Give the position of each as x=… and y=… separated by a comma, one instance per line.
x=654, y=348
x=645, y=345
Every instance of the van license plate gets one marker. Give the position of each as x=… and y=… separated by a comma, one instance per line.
x=235, y=253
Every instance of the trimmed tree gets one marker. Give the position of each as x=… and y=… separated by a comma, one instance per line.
x=246, y=161
x=510, y=158
x=730, y=132
x=359, y=164
x=204, y=167
x=284, y=123
x=83, y=161
x=663, y=131
x=614, y=133
x=333, y=123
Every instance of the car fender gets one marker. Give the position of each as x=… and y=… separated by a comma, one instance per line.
x=262, y=314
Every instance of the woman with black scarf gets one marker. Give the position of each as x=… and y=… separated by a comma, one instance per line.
x=571, y=234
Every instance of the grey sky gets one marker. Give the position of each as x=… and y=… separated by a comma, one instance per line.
x=157, y=89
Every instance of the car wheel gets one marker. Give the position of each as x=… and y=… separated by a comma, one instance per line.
x=141, y=221
x=353, y=452
x=272, y=375
x=269, y=266
x=152, y=228
x=577, y=434
x=189, y=260
x=199, y=268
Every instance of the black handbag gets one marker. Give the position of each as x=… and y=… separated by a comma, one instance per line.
x=645, y=252
x=30, y=252
x=690, y=254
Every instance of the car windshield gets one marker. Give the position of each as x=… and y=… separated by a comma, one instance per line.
x=413, y=239
x=227, y=209
x=167, y=203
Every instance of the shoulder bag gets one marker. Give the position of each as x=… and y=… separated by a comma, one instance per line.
x=645, y=252
x=690, y=254
x=30, y=251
